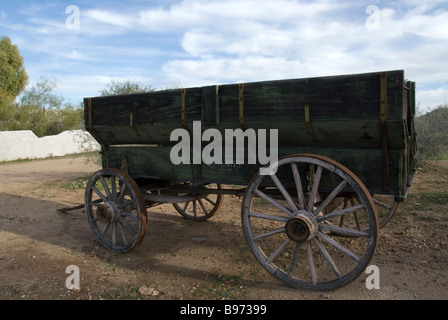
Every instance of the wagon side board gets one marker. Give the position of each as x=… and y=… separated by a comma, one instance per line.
x=364, y=121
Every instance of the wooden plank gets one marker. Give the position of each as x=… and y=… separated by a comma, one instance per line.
x=350, y=133
x=210, y=105
x=154, y=162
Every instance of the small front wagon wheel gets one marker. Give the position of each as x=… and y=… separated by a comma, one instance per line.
x=115, y=209
x=295, y=234
x=202, y=208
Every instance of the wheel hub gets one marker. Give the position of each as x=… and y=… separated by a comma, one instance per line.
x=107, y=212
x=302, y=227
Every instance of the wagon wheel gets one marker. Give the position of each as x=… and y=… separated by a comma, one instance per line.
x=115, y=209
x=386, y=207
x=202, y=208
x=291, y=236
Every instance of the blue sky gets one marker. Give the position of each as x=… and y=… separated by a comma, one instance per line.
x=203, y=42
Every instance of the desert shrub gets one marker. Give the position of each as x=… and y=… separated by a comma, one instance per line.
x=432, y=134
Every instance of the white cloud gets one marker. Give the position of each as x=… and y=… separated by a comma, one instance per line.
x=429, y=99
x=75, y=55
x=317, y=36
x=220, y=71
x=198, y=42
x=232, y=14
x=109, y=17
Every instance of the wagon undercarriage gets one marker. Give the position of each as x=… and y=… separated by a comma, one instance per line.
x=306, y=238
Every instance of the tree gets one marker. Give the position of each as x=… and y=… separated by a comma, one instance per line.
x=13, y=77
x=44, y=112
x=116, y=88
x=42, y=95
x=7, y=114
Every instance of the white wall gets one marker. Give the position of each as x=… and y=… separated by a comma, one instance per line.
x=16, y=145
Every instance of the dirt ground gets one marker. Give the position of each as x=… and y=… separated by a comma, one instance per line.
x=181, y=259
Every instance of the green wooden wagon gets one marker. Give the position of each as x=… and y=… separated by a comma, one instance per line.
x=345, y=145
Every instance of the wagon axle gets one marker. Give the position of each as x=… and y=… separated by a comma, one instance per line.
x=107, y=212
x=302, y=227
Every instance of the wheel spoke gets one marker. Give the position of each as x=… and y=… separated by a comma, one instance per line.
x=128, y=214
x=309, y=255
x=340, y=212
x=267, y=217
x=278, y=251
x=344, y=231
x=273, y=201
x=330, y=198
x=204, y=209
x=284, y=193
x=195, y=209
x=385, y=210
x=106, y=187
x=299, y=188
x=122, y=232
x=341, y=219
x=315, y=188
x=186, y=205
x=114, y=233
x=121, y=195
x=113, y=182
x=355, y=215
x=268, y=234
x=294, y=258
x=99, y=193
x=382, y=204
x=338, y=246
x=106, y=227
x=126, y=203
x=127, y=226
x=327, y=257
x=210, y=201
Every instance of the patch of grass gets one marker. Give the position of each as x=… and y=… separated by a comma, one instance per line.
x=124, y=292
x=439, y=197
x=77, y=184
x=93, y=156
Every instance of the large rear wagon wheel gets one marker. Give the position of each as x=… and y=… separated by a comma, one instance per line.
x=295, y=235
x=115, y=209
